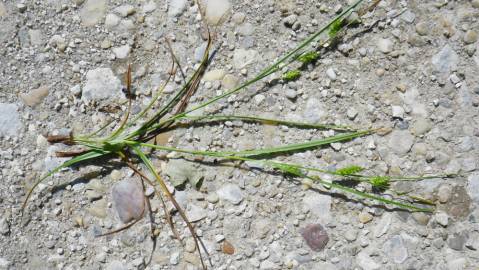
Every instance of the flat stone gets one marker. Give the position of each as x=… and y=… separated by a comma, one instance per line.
x=445, y=60
x=92, y=12
x=128, y=199
x=365, y=217
x=122, y=52
x=35, y=96
x=400, y=142
x=181, y=171
x=229, y=81
x=319, y=205
x=231, y=193
x=397, y=112
x=313, y=112
x=216, y=11
x=421, y=126
x=395, y=249
x=383, y=225
x=315, y=236
x=101, y=84
x=408, y=16
x=457, y=241
x=245, y=29
x=98, y=208
x=442, y=219
x=470, y=37
x=111, y=20
x=385, y=45
x=243, y=58
x=176, y=7
x=472, y=187
x=36, y=37
x=364, y=260
x=10, y=123
x=196, y=213
x=214, y=75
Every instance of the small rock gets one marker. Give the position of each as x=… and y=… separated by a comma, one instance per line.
x=246, y=29
x=176, y=7
x=290, y=20
x=408, y=16
x=98, y=208
x=472, y=185
x=200, y=51
x=10, y=123
x=238, y=18
x=231, y=193
x=457, y=241
x=331, y=74
x=111, y=20
x=475, y=3
x=444, y=193
x=35, y=96
x=315, y=236
x=397, y=111
x=190, y=245
x=364, y=260
x=174, y=258
x=92, y=12
x=319, y=205
x=122, y=52
x=4, y=226
x=385, y=45
x=125, y=10
x=242, y=58
x=128, y=199
x=470, y=37
x=350, y=235
x=351, y=113
x=214, y=75
x=180, y=171
x=442, y=219
x=400, y=142
x=313, y=112
x=395, y=249
x=383, y=225
x=229, y=81
x=421, y=126
x=291, y=93
x=216, y=11
x=101, y=84
x=365, y=217
x=422, y=28
x=445, y=60
x=212, y=198
x=421, y=218
x=196, y=213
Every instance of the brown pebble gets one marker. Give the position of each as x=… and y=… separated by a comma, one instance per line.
x=227, y=248
x=35, y=96
x=315, y=236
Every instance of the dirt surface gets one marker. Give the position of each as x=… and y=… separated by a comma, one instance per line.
x=411, y=66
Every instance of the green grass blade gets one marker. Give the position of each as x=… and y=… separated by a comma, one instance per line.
x=266, y=121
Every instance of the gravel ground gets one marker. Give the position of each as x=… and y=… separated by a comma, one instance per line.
x=412, y=66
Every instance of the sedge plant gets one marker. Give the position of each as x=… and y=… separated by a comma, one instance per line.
x=135, y=133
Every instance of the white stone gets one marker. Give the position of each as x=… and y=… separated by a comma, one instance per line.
x=122, y=52
x=442, y=218
x=331, y=74
x=472, y=186
x=445, y=60
x=101, y=84
x=319, y=205
x=92, y=12
x=216, y=11
x=383, y=225
x=214, y=75
x=231, y=193
x=10, y=123
x=242, y=58
x=364, y=260
x=397, y=111
x=111, y=20
x=385, y=45
x=176, y=7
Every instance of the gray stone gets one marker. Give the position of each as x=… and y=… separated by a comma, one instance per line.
x=408, y=16
x=176, y=7
x=385, y=45
x=351, y=113
x=216, y=11
x=422, y=28
x=364, y=260
x=315, y=236
x=331, y=74
x=128, y=199
x=319, y=205
x=111, y=20
x=10, y=123
x=473, y=187
x=421, y=126
x=457, y=241
x=442, y=219
x=246, y=29
x=243, y=58
x=231, y=193
x=291, y=93
x=35, y=96
x=383, y=225
x=36, y=37
x=180, y=171
x=351, y=235
x=400, y=142
x=200, y=51
x=116, y=265
x=174, y=258
x=101, y=84
x=470, y=37
x=445, y=60
x=4, y=226
x=313, y=112
x=122, y=52
x=238, y=18
x=395, y=249
x=92, y=12
x=4, y=264
x=397, y=112
x=196, y=213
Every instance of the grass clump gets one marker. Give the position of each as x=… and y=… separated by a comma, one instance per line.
x=133, y=136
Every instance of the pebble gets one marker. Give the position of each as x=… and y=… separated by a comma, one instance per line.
x=408, y=16
x=238, y=18
x=111, y=20
x=385, y=45
x=214, y=75
x=196, y=213
x=35, y=96
x=290, y=20
x=470, y=37
x=176, y=7
x=122, y=52
x=101, y=84
x=181, y=171
x=174, y=258
x=10, y=123
x=4, y=226
x=422, y=28
x=331, y=74
x=291, y=93
x=383, y=225
x=313, y=112
x=190, y=245
x=350, y=235
x=92, y=12
x=3, y=10
x=364, y=260
x=229, y=82
x=445, y=60
x=421, y=126
x=421, y=218
x=444, y=193
x=231, y=193
x=397, y=112
x=319, y=205
x=216, y=10
x=351, y=113
x=395, y=249
x=457, y=241
x=365, y=217
x=125, y=10
x=243, y=58
x=472, y=186
x=315, y=236
x=128, y=199
x=400, y=142
x=245, y=29
x=442, y=219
